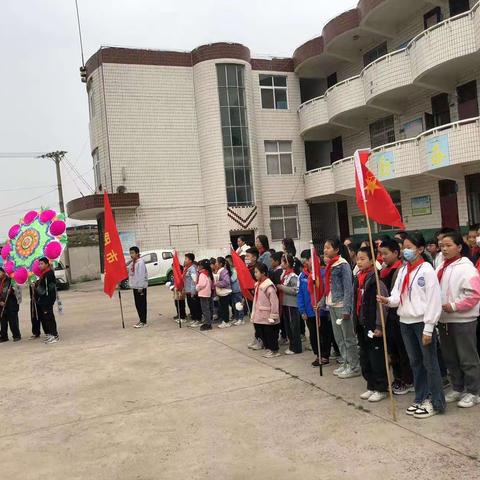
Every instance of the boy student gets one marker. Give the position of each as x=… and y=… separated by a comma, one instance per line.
x=439, y=257
x=432, y=248
x=10, y=298
x=403, y=376
x=474, y=250
x=45, y=298
x=190, y=276
x=138, y=282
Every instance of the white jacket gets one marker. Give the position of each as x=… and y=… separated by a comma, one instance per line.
x=461, y=289
x=421, y=302
x=137, y=275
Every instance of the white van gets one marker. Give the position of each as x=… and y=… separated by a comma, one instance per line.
x=159, y=267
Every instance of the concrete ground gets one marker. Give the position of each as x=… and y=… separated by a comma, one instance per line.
x=164, y=403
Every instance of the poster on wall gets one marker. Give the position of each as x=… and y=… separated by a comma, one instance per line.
x=421, y=206
x=128, y=239
x=437, y=152
x=385, y=165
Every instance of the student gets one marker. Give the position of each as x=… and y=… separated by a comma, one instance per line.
x=460, y=286
x=261, y=242
x=417, y=295
x=275, y=275
x=10, y=298
x=432, y=248
x=236, y=297
x=402, y=373
x=367, y=318
x=138, y=282
x=204, y=288
x=45, y=298
x=223, y=289
x=378, y=265
x=288, y=289
x=265, y=311
x=288, y=246
x=338, y=298
x=348, y=241
x=190, y=276
x=242, y=246
x=474, y=249
x=439, y=257
x=400, y=236
x=352, y=253
x=251, y=259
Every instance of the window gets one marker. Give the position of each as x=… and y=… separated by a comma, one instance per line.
x=382, y=132
x=432, y=17
x=273, y=89
x=332, y=80
x=279, y=157
x=167, y=255
x=397, y=200
x=284, y=221
x=150, y=258
x=458, y=6
x=374, y=53
x=236, y=143
x=440, y=110
x=467, y=100
x=91, y=102
x=96, y=170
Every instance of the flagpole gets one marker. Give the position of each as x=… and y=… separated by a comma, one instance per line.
x=175, y=292
x=382, y=315
x=317, y=317
x=121, y=307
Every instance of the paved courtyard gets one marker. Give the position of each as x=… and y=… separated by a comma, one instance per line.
x=164, y=403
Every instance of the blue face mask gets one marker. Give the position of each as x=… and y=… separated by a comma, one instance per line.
x=409, y=254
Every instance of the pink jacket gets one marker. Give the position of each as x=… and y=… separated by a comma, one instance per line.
x=204, y=286
x=265, y=304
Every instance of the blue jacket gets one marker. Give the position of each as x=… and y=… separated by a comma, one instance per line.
x=304, y=302
x=341, y=286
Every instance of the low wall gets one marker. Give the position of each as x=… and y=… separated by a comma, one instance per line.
x=84, y=263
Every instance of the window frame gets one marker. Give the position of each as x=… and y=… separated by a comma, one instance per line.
x=384, y=132
x=283, y=218
x=167, y=255
x=273, y=88
x=91, y=103
x=153, y=258
x=277, y=154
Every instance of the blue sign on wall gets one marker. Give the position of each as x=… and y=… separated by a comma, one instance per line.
x=437, y=152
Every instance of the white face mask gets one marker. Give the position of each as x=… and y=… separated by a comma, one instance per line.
x=478, y=241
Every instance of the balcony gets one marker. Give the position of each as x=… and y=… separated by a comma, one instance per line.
x=344, y=97
x=439, y=152
x=89, y=207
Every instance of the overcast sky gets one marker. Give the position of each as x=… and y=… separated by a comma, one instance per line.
x=44, y=104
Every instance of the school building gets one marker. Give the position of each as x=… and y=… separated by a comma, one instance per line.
x=199, y=147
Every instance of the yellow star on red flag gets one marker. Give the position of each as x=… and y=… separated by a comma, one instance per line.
x=371, y=185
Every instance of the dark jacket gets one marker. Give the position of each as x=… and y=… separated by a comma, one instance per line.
x=276, y=275
x=46, y=290
x=389, y=282
x=8, y=294
x=369, y=316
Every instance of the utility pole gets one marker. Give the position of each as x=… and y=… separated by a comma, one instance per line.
x=57, y=157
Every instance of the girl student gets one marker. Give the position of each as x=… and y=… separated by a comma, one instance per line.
x=460, y=287
x=223, y=289
x=367, y=319
x=417, y=295
x=265, y=313
x=288, y=288
x=338, y=298
x=204, y=291
x=263, y=247
x=236, y=297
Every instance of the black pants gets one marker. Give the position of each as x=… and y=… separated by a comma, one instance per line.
x=194, y=307
x=223, y=308
x=268, y=335
x=372, y=360
x=398, y=354
x=140, y=297
x=47, y=318
x=206, y=305
x=35, y=319
x=180, y=307
x=9, y=319
x=283, y=327
x=478, y=336
x=292, y=321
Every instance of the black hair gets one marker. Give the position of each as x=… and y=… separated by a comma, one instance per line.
x=419, y=241
x=432, y=241
x=224, y=264
x=190, y=256
x=253, y=251
x=391, y=245
x=44, y=260
x=134, y=250
x=289, y=246
x=262, y=268
x=213, y=260
x=277, y=257
x=290, y=260
x=402, y=234
x=271, y=251
x=338, y=245
x=263, y=239
x=445, y=230
x=242, y=238
x=457, y=239
x=228, y=257
x=205, y=265
x=383, y=238
x=367, y=251
x=474, y=227
x=306, y=254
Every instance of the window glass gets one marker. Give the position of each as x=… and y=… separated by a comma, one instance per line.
x=266, y=80
x=167, y=255
x=267, y=98
x=286, y=164
x=280, y=81
x=273, y=167
x=281, y=99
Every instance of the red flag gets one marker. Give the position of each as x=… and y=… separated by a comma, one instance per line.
x=369, y=190
x=177, y=272
x=114, y=261
x=245, y=279
x=315, y=278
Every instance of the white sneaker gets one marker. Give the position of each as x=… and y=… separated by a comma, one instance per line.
x=366, y=395
x=52, y=340
x=224, y=325
x=140, y=325
x=47, y=338
x=252, y=343
x=339, y=370
x=425, y=410
x=196, y=324
x=289, y=352
x=258, y=345
x=270, y=354
x=377, y=396
x=412, y=408
x=349, y=373
x=468, y=400
x=453, y=396
x=239, y=322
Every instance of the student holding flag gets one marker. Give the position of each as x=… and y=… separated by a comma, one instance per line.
x=138, y=282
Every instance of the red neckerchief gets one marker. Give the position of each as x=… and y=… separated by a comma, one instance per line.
x=328, y=274
x=478, y=264
x=42, y=276
x=362, y=278
x=185, y=271
x=385, y=271
x=286, y=273
x=134, y=261
x=445, y=264
x=406, y=281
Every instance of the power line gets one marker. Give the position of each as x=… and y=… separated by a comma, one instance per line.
x=27, y=201
x=79, y=175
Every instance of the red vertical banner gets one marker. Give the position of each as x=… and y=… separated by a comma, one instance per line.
x=245, y=279
x=177, y=272
x=114, y=261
